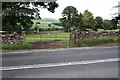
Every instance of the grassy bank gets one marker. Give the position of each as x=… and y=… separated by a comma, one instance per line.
x=16, y=47
x=97, y=42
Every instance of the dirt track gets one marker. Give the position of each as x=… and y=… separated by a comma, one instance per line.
x=47, y=45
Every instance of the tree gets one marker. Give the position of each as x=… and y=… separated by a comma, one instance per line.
x=79, y=22
x=64, y=23
x=99, y=22
x=114, y=24
x=107, y=24
x=69, y=14
x=116, y=19
x=88, y=20
x=17, y=16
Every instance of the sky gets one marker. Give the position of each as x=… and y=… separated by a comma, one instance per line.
x=103, y=8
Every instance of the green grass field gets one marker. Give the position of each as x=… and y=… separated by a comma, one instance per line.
x=64, y=37
x=46, y=26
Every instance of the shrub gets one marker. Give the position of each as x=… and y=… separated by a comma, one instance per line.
x=48, y=29
x=15, y=47
x=57, y=29
x=41, y=29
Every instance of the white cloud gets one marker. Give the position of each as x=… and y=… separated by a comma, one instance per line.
x=101, y=8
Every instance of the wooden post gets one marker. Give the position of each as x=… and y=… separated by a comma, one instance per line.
x=71, y=40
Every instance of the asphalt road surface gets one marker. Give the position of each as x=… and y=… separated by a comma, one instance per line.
x=93, y=62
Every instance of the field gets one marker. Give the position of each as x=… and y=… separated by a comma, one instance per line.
x=47, y=20
x=46, y=27
x=63, y=37
x=44, y=23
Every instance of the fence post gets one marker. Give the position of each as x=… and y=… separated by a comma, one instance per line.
x=70, y=41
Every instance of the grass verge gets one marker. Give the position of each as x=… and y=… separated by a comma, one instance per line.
x=16, y=47
x=97, y=42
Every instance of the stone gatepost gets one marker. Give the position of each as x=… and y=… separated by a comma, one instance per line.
x=23, y=37
x=74, y=36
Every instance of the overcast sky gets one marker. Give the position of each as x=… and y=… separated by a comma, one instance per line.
x=101, y=8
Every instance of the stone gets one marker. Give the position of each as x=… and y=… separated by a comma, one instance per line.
x=13, y=38
x=77, y=36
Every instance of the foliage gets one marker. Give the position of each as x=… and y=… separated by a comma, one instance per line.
x=79, y=22
x=117, y=18
x=107, y=24
x=73, y=21
x=20, y=14
x=15, y=47
x=99, y=22
x=114, y=24
x=88, y=20
x=69, y=14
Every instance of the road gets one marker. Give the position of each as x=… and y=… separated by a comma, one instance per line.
x=93, y=62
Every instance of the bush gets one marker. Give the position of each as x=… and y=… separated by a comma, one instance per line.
x=57, y=29
x=49, y=29
x=15, y=47
x=41, y=29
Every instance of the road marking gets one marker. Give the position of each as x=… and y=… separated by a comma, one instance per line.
x=58, y=64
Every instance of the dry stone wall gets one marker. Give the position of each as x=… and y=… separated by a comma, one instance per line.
x=77, y=36
x=12, y=38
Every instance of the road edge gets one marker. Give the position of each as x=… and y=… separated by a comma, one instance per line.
x=58, y=49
